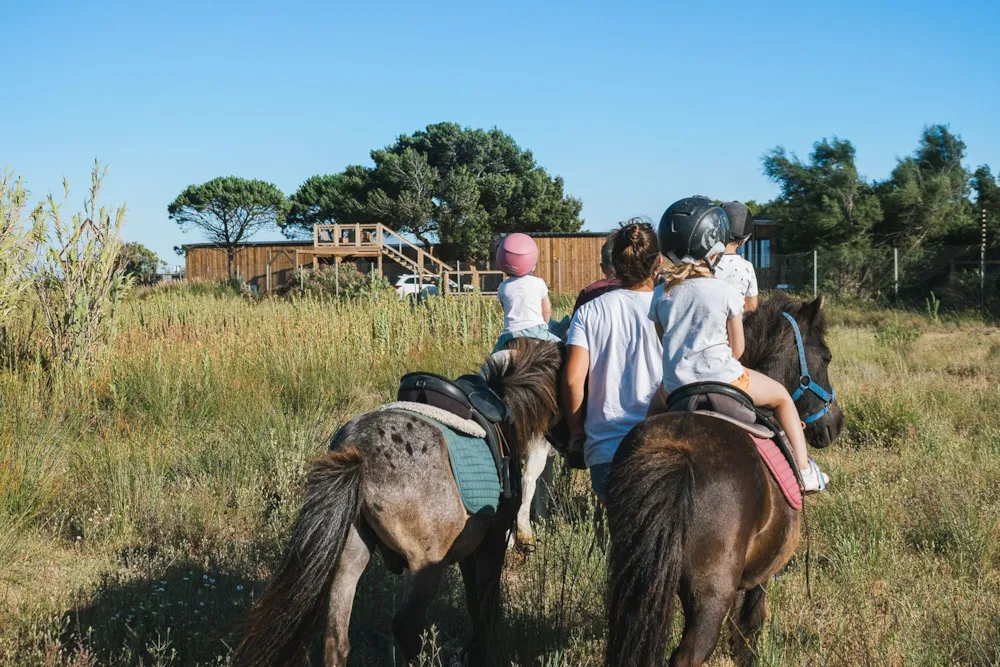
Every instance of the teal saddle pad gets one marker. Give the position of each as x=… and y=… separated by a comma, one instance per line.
x=473, y=467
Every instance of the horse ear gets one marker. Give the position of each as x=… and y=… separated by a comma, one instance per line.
x=813, y=311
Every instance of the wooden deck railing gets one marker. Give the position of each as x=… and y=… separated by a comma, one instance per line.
x=376, y=236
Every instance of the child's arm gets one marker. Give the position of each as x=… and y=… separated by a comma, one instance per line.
x=546, y=308
x=749, y=304
x=735, y=328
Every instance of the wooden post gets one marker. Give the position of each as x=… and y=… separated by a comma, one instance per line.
x=336, y=276
x=267, y=280
x=357, y=233
x=458, y=275
x=378, y=235
x=315, y=235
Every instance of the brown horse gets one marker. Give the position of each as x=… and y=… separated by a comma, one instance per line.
x=386, y=484
x=692, y=510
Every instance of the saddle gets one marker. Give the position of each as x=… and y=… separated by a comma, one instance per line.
x=731, y=404
x=468, y=397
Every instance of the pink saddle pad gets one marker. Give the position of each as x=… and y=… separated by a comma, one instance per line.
x=780, y=470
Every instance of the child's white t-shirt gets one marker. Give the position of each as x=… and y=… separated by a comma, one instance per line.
x=739, y=273
x=521, y=298
x=625, y=361
x=694, y=317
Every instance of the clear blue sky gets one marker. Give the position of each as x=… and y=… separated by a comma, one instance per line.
x=633, y=104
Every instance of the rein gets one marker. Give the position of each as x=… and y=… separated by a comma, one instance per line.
x=806, y=383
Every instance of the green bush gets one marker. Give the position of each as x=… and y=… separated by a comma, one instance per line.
x=343, y=282
x=898, y=337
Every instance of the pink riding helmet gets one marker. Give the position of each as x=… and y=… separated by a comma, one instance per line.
x=517, y=254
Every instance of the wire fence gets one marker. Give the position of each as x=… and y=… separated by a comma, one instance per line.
x=956, y=277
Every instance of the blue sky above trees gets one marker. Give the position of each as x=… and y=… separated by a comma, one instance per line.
x=634, y=105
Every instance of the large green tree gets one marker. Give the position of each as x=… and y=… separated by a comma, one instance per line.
x=822, y=202
x=457, y=184
x=326, y=199
x=988, y=199
x=138, y=261
x=926, y=196
x=229, y=210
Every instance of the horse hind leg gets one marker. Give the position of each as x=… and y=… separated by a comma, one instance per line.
x=409, y=622
x=351, y=565
x=705, y=610
x=746, y=624
x=538, y=453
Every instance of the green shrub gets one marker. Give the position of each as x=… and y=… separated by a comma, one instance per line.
x=898, y=337
x=79, y=283
x=343, y=282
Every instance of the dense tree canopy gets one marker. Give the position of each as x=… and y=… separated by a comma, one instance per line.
x=229, y=210
x=822, y=201
x=925, y=200
x=138, y=261
x=926, y=196
x=460, y=185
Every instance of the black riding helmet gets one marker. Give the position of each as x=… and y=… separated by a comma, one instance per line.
x=740, y=220
x=692, y=229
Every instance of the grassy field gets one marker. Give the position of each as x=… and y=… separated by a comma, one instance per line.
x=144, y=500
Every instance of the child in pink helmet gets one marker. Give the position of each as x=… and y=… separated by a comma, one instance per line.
x=525, y=298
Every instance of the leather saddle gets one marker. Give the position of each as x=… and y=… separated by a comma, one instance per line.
x=722, y=401
x=468, y=397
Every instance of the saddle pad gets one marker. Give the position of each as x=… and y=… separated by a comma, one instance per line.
x=466, y=426
x=782, y=473
x=473, y=467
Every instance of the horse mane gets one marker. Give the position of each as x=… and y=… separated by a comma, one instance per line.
x=767, y=334
x=526, y=377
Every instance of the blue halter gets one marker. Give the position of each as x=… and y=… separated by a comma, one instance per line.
x=806, y=383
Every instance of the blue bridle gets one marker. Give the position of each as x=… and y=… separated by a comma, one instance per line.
x=806, y=383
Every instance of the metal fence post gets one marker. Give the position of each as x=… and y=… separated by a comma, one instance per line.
x=815, y=273
x=458, y=275
x=336, y=278
x=895, y=273
x=982, y=263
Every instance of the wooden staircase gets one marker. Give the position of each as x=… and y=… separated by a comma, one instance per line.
x=379, y=242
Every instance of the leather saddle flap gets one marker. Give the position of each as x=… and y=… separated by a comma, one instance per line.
x=482, y=398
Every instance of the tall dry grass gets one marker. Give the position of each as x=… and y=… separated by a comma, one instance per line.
x=153, y=489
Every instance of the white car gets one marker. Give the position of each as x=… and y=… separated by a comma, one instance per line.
x=411, y=285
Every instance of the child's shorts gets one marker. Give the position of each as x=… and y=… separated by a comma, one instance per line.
x=539, y=331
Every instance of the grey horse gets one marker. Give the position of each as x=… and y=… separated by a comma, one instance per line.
x=386, y=484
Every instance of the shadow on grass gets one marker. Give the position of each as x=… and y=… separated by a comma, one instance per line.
x=154, y=610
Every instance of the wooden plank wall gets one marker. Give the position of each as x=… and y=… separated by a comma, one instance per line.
x=578, y=258
x=251, y=261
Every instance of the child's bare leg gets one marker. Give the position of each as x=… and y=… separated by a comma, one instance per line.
x=766, y=392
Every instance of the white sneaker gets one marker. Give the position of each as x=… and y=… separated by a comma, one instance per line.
x=813, y=479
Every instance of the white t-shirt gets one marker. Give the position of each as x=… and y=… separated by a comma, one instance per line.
x=521, y=298
x=694, y=316
x=739, y=273
x=625, y=363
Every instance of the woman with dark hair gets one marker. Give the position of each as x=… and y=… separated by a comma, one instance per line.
x=612, y=342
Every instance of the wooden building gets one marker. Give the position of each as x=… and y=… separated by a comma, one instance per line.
x=567, y=261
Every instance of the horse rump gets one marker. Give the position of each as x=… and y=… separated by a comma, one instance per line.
x=650, y=500
x=278, y=629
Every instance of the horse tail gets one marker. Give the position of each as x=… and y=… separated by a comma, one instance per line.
x=278, y=629
x=649, y=508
